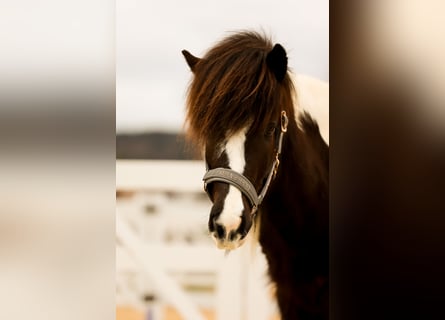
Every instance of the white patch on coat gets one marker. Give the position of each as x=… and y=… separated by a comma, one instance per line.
x=230, y=216
x=312, y=95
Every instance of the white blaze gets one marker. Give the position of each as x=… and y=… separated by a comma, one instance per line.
x=230, y=217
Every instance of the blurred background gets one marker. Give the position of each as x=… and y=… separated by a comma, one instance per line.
x=167, y=267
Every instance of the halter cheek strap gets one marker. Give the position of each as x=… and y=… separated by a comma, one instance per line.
x=243, y=184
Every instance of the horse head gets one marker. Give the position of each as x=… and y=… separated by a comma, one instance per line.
x=238, y=106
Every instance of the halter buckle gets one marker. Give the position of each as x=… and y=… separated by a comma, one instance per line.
x=277, y=164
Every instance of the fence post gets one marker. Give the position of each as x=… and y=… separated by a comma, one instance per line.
x=168, y=289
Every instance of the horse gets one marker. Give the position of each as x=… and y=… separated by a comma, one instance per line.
x=267, y=165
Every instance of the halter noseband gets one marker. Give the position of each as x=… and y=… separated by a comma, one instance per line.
x=241, y=182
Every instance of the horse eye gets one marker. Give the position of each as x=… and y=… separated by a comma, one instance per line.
x=270, y=130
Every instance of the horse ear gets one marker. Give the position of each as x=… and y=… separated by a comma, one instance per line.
x=277, y=61
x=191, y=59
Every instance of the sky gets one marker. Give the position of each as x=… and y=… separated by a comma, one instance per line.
x=151, y=74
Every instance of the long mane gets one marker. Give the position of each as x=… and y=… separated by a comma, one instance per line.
x=233, y=87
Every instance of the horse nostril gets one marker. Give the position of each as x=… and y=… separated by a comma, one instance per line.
x=232, y=235
x=220, y=230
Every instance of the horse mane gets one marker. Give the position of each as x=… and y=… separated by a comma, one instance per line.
x=233, y=87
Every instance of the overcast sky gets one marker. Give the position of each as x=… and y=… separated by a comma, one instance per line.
x=151, y=74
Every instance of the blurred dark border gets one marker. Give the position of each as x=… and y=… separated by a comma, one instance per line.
x=387, y=186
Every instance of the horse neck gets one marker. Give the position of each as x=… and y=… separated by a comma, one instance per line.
x=294, y=222
x=301, y=183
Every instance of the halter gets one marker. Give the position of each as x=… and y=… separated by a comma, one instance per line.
x=241, y=182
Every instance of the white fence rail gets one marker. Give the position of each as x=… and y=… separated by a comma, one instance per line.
x=160, y=175
x=240, y=281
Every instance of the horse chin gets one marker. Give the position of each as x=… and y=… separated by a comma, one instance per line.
x=228, y=245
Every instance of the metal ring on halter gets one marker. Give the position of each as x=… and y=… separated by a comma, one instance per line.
x=284, y=121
